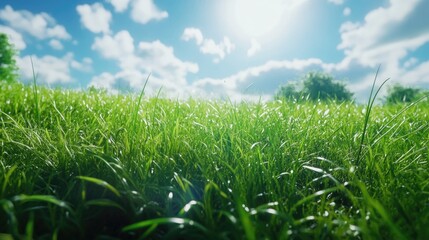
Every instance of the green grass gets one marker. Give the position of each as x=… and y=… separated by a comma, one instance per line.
x=86, y=165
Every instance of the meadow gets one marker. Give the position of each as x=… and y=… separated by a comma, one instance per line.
x=89, y=165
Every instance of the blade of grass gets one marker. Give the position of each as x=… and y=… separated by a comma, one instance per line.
x=6, y=178
x=12, y=220
x=101, y=183
x=369, y=107
x=244, y=216
x=136, y=110
x=41, y=198
x=158, y=221
x=36, y=98
x=29, y=228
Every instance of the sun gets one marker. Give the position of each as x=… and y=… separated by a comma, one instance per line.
x=257, y=18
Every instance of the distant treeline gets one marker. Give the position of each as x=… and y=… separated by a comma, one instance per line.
x=317, y=86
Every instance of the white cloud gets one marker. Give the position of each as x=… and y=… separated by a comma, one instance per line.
x=15, y=37
x=95, y=17
x=119, y=46
x=193, y=34
x=41, y=26
x=144, y=11
x=49, y=69
x=386, y=37
x=56, y=44
x=417, y=76
x=336, y=2
x=104, y=81
x=160, y=59
x=119, y=5
x=137, y=62
x=208, y=45
x=84, y=66
x=347, y=11
x=255, y=47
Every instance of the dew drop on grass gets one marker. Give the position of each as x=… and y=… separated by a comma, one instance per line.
x=354, y=228
x=245, y=208
x=189, y=205
x=170, y=195
x=273, y=204
x=272, y=211
x=326, y=213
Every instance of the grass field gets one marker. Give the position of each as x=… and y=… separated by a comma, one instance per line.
x=87, y=165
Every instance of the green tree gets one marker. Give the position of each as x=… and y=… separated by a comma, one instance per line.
x=287, y=91
x=322, y=86
x=400, y=94
x=8, y=68
x=316, y=86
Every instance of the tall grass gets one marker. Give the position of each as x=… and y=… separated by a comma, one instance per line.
x=93, y=167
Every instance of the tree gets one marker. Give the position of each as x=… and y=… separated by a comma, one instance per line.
x=316, y=86
x=8, y=66
x=400, y=94
x=287, y=91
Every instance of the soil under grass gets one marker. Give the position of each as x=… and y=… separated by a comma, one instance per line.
x=87, y=165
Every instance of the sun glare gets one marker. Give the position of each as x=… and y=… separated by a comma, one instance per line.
x=256, y=18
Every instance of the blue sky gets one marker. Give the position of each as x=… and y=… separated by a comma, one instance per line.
x=221, y=49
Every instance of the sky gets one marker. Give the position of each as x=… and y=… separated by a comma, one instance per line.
x=218, y=49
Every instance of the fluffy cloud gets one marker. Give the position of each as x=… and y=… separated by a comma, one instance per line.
x=15, y=37
x=347, y=11
x=41, y=26
x=115, y=47
x=55, y=44
x=144, y=11
x=159, y=58
x=119, y=5
x=49, y=69
x=207, y=45
x=104, y=81
x=386, y=36
x=255, y=47
x=95, y=17
x=84, y=66
x=193, y=34
x=167, y=71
